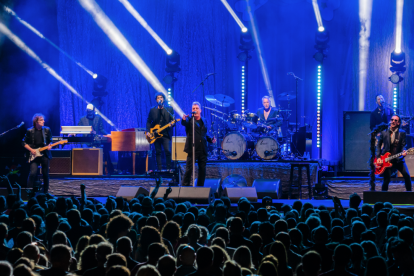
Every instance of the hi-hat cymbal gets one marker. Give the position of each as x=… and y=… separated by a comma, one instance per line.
x=286, y=96
x=220, y=100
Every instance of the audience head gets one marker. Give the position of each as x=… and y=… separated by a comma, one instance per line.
x=376, y=266
x=231, y=268
x=166, y=265
x=118, y=270
x=204, y=258
x=311, y=263
x=115, y=259
x=342, y=255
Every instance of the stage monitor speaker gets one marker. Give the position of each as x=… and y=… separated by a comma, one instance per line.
x=409, y=160
x=180, y=144
x=236, y=193
x=196, y=195
x=268, y=187
x=356, y=140
x=175, y=191
x=131, y=192
x=392, y=197
x=87, y=161
x=61, y=163
x=214, y=184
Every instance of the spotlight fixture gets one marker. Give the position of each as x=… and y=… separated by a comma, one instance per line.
x=172, y=63
x=99, y=86
x=396, y=78
x=95, y=76
x=321, y=39
x=321, y=29
x=246, y=41
x=244, y=30
x=397, y=62
x=243, y=56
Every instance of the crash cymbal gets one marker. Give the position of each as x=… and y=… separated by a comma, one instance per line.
x=224, y=98
x=215, y=110
x=212, y=99
x=285, y=96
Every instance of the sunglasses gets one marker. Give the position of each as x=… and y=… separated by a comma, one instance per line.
x=394, y=120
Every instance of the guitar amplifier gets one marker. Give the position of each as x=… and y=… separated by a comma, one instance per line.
x=180, y=144
x=61, y=163
x=87, y=161
x=409, y=161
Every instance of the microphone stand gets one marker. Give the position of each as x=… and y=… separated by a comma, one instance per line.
x=202, y=83
x=175, y=145
x=297, y=79
x=193, y=149
x=16, y=127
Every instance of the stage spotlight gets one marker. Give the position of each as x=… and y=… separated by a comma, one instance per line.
x=238, y=21
x=172, y=63
x=99, y=86
x=398, y=28
x=125, y=47
x=319, y=57
x=145, y=25
x=169, y=52
x=19, y=43
x=246, y=41
x=397, y=62
x=396, y=78
x=321, y=29
x=243, y=56
x=94, y=76
x=322, y=39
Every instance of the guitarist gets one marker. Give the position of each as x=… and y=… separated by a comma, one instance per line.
x=393, y=140
x=36, y=137
x=160, y=115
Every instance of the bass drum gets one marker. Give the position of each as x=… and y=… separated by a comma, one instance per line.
x=267, y=147
x=236, y=145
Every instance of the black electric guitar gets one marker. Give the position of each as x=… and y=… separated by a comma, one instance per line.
x=155, y=132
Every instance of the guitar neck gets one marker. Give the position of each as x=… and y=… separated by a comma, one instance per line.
x=45, y=148
x=167, y=125
x=397, y=155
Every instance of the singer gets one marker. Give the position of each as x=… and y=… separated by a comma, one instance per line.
x=381, y=114
x=201, y=139
x=160, y=115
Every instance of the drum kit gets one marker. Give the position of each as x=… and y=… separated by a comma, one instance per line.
x=244, y=136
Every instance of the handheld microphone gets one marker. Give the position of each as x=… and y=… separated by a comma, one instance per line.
x=193, y=112
x=160, y=103
x=234, y=153
x=22, y=123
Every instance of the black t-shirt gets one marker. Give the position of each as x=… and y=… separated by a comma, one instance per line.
x=38, y=138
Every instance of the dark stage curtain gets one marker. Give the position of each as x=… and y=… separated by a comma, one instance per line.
x=207, y=38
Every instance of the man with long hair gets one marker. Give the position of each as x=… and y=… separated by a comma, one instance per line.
x=36, y=137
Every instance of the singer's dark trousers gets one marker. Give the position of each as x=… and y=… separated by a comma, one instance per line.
x=44, y=162
x=166, y=144
x=201, y=159
x=402, y=168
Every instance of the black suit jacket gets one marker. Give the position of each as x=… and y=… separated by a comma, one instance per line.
x=378, y=117
x=166, y=118
x=273, y=114
x=385, y=139
x=29, y=139
x=189, y=131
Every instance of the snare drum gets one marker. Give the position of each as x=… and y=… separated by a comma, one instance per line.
x=267, y=147
x=251, y=120
x=236, y=145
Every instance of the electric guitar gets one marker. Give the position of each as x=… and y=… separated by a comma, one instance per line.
x=380, y=168
x=39, y=150
x=155, y=132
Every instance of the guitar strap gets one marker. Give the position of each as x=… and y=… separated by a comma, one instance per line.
x=44, y=136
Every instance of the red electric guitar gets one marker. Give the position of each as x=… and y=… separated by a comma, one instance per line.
x=380, y=168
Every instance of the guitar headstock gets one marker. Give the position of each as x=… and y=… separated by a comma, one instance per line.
x=410, y=151
x=62, y=142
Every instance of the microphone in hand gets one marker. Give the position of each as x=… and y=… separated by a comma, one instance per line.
x=160, y=103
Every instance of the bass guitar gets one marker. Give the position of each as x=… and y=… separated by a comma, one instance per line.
x=386, y=158
x=155, y=132
x=39, y=150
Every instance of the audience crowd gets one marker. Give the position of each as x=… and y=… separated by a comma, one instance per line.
x=150, y=236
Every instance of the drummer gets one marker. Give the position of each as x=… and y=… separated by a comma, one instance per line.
x=268, y=115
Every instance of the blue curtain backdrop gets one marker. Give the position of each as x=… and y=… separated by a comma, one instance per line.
x=207, y=38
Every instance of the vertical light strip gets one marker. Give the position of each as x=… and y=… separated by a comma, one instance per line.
x=242, y=89
x=398, y=31
x=169, y=96
x=365, y=11
x=319, y=109
x=395, y=99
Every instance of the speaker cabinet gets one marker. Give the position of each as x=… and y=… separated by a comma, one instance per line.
x=87, y=161
x=409, y=160
x=214, y=184
x=175, y=191
x=180, y=144
x=131, y=192
x=236, y=193
x=356, y=140
x=268, y=187
x=61, y=163
x=196, y=195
